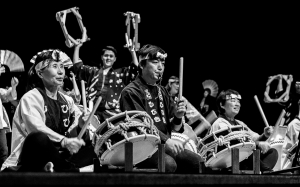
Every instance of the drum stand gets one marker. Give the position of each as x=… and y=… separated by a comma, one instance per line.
x=129, y=161
x=236, y=164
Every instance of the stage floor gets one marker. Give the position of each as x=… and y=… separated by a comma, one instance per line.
x=142, y=179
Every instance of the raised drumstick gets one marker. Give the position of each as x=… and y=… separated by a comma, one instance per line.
x=180, y=77
x=261, y=111
x=83, y=96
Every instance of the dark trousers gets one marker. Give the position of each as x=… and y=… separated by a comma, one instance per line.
x=185, y=162
x=3, y=146
x=38, y=149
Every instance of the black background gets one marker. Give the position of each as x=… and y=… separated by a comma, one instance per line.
x=239, y=45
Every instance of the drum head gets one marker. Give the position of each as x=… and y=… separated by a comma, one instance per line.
x=223, y=158
x=143, y=147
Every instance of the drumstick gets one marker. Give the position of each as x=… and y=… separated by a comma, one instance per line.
x=261, y=111
x=280, y=118
x=180, y=77
x=83, y=96
x=89, y=118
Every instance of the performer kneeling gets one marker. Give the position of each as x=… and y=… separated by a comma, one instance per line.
x=146, y=94
x=228, y=103
x=43, y=125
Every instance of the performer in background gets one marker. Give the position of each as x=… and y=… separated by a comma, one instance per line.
x=208, y=101
x=104, y=81
x=70, y=87
x=229, y=104
x=146, y=94
x=43, y=133
x=6, y=95
x=192, y=115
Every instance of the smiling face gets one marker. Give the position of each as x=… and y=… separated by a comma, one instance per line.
x=108, y=59
x=231, y=106
x=53, y=75
x=153, y=71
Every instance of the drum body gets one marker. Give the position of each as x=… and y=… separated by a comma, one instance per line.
x=132, y=126
x=276, y=141
x=216, y=147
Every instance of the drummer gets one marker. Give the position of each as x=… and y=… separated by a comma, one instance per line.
x=146, y=94
x=44, y=135
x=229, y=104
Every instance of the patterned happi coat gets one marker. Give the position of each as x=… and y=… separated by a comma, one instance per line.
x=108, y=86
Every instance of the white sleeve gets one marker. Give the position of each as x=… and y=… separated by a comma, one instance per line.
x=33, y=115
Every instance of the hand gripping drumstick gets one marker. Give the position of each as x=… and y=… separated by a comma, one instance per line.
x=89, y=118
x=261, y=111
x=180, y=78
x=83, y=96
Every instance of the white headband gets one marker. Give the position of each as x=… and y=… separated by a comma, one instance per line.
x=62, y=58
x=233, y=96
x=159, y=55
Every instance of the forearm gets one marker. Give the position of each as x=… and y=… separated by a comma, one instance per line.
x=76, y=58
x=176, y=123
x=134, y=58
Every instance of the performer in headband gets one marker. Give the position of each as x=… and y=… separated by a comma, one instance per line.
x=229, y=105
x=104, y=81
x=192, y=115
x=43, y=132
x=146, y=94
x=6, y=95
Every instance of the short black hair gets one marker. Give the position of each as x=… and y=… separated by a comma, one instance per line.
x=151, y=51
x=109, y=48
x=222, y=99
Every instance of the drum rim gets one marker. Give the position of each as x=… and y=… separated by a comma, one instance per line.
x=131, y=139
x=191, y=142
x=117, y=116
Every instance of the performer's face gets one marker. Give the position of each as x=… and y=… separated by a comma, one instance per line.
x=174, y=88
x=206, y=93
x=153, y=70
x=108, y=59
x=232, y=107
x=53, y=74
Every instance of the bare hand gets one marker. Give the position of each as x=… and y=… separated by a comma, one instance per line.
x=72, y=144
x=129, y=43
x=268, y=131
x=83, y=118
x=72, y=75
x=264, y=146
x=14, y=82
x=79, y=43
x=174, y=146
x=181, y=109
